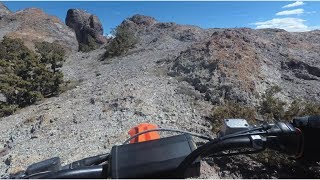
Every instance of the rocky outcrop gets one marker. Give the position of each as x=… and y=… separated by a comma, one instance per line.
x=4, y=10
x=163, y=34
x=236, y=64
x=240, y=64
x=138, y=22
x=87, y=27
x=33, y=25
x=143, y=20
x=225, y=67
x=145, y=25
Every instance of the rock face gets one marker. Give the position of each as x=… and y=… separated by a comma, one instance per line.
x=151, y=28
x=86, y=26
x=4, y=10
x=33, y=24
x=239, y=64
x=143, y=20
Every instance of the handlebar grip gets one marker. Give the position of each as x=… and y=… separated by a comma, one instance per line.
x=307, y=121
x=310, y=128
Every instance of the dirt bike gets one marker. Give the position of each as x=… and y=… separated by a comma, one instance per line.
x=146, y=155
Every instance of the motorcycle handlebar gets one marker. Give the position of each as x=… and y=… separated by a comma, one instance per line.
x=310, y=128
x=307, y=121
x=98, y=172
x=91, y=172
x=295, y=138
x=213, y=147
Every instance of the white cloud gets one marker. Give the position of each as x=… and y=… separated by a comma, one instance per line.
x=297, y=3
x=290, y=12
x=288, y=24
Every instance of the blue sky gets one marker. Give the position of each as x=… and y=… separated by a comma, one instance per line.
x=289, y=15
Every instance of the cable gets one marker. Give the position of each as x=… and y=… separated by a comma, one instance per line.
x=229, y=141
x=33, y=176
x=193, y=134
x=237, y=153
x=239, y=135
x=172, y=130
x=241, y=132
x=245, y=132
x=93, y=160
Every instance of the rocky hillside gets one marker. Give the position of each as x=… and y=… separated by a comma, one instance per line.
x=4, y=10
x=35, y=25
x=173, y=77
x=238, y=64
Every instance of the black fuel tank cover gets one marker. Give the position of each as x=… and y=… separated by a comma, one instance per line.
x=153, y=159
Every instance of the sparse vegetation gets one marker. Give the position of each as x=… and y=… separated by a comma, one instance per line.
x=231, y=110
x=27, y=77
x=124, y=39
x=68, y=85
x=301, y=108
x=271, y=107
x=91, y=45
x=273, y=158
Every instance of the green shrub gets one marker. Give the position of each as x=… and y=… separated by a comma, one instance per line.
x=271, y=107
x=27, y=77
x=89, y=46
x=123, y=41
x=301, y=108
x=231, y=110
x=7, y=109
x=51, y=53
x=310, y=108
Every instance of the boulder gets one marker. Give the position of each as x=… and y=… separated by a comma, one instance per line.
x=143, y=20
x=86, y=26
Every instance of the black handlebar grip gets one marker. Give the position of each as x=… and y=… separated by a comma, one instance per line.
x=314, y=121
x=307, y=121
x=310, y=128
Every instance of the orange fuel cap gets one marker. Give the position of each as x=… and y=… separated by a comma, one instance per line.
x=144, y=137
